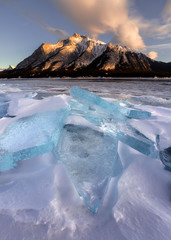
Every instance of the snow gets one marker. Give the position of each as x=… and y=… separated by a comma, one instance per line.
x=39, y=201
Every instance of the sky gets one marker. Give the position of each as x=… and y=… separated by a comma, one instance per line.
x=141, y=25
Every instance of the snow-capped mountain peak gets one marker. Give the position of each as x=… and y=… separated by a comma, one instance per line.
x=80, y=55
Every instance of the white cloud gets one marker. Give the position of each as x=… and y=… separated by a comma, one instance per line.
x=103, y=16
x=57, y=31
x=163, y=30
x=167, y=9
x=153, y=55
x=106, y=16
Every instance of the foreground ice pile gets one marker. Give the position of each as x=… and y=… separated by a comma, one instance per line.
x=89, y=153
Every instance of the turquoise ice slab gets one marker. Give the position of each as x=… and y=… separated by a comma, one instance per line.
x=90, y=158
x=30, y=136
x=114, y=108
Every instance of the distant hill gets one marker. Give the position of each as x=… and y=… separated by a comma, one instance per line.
x=7, y=69
x=80, y=56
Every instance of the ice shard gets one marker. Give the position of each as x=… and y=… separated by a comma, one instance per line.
x=90, y=159
x=30, y=136
x=132, y=137
x=114, y=108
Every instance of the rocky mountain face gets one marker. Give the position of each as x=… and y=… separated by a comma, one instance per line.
x=83, y=56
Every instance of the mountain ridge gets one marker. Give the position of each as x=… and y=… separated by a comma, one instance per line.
x=81, y=56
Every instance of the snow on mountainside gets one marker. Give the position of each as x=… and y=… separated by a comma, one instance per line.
x=80, y=52
x=77, y=49
x=82, y=56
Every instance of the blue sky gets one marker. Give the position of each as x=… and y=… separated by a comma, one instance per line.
x=25, y=25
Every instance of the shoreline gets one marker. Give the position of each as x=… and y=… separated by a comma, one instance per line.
x=96, y=79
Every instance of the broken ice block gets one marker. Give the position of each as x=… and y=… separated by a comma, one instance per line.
x=165, y=156
x=6, y=98
x=138, y=114
x=89, y=113
x=30, y=137
x=114, y=108
x=96, y=102
x=3, y=109
x=132, y=137
x=90, y=158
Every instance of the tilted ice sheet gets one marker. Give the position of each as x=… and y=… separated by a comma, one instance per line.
x=116, y=109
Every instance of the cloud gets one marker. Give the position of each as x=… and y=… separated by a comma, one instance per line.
x=167, y=9
x=57, y=31
x=104, y=16
x=153, y=55
x=160, y=46
x=162, y=30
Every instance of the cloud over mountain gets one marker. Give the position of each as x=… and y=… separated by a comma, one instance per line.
x=167, y=9
x=153, y=55
x=104, y=16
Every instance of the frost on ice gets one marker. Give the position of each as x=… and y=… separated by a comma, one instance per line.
x=89, y=154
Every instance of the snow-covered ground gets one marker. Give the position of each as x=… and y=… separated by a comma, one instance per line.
x=39, y=201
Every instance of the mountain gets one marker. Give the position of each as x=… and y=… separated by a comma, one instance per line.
x=82, y=56
x=7, y=69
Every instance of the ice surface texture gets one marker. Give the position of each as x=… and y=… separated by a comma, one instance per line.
x=30, y=136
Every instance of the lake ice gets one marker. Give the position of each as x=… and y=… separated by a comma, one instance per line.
x=47, y=195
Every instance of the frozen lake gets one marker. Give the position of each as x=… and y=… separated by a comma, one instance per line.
x=116, y=88
x=40, y=199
